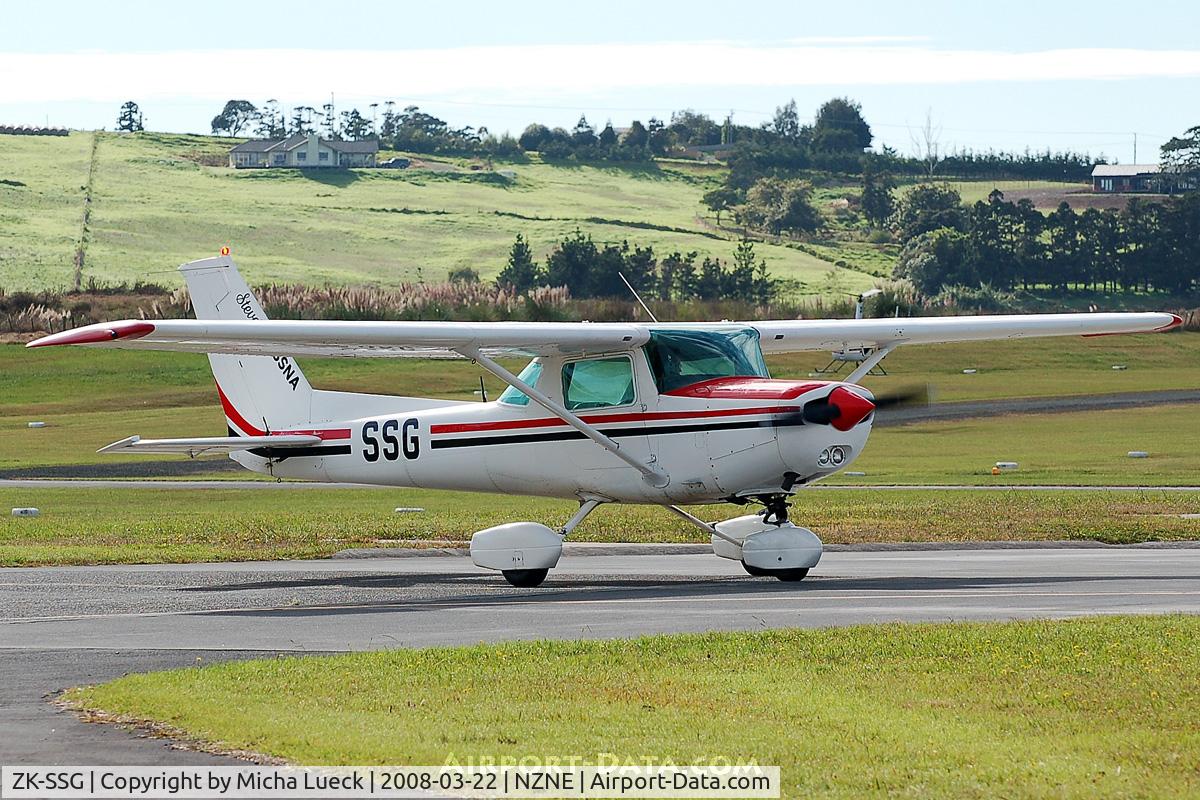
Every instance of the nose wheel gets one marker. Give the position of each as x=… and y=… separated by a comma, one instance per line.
x=525, y=578
x=786, y=575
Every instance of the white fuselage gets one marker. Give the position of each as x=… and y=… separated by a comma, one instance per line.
x=716, y=440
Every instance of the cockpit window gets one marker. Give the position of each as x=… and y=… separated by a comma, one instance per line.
x=682, y=358
x=515, y=397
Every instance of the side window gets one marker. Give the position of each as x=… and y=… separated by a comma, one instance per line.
x=598, y=383
x=530, y=375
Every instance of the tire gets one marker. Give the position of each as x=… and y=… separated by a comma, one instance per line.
x=526, y=578
x=791, y=575
x=788, y=575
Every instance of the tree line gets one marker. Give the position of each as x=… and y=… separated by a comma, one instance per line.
x=1005, y=245
x=593, y=270
x=834, y=141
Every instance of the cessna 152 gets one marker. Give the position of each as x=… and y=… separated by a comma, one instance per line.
x=661, y=413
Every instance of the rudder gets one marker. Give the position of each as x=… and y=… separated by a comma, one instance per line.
x=259, y=394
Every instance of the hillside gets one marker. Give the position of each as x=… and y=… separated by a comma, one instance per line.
x=156, y=204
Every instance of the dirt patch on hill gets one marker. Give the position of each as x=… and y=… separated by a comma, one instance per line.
x=1077, y=199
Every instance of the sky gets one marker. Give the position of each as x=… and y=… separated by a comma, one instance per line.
x=1085, y=76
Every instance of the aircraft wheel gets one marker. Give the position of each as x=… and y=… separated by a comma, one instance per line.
x=527, y=578
x=788, y=575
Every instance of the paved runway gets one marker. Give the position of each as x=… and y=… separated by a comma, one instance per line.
x=68, y=625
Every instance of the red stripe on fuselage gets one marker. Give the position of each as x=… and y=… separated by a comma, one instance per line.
x=599, y=419
x=237, y=419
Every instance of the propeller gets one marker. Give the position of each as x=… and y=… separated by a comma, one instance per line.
x=919, y=395
x=843, y=408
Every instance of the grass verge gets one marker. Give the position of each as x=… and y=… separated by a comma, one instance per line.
x=96, y=526
x=1085, y=708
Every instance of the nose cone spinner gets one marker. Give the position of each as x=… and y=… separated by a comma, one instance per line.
x=851, y=408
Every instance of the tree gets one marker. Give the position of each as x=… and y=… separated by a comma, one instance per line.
x=329, y=121
x=936, y=259
x=721, y=199
x=636, y=136
x=270, y=124
x=840, y=127
x=355, y=126
x=1181, y=161
x=608, y=137
x=389, y=122
x=928, y=207
x=520, y=273
x=130, y=117
x=781, y=205
x=927, y=144
x=584, y=134
x=690, y=127
x=878, y=199
x=787, y=122
x=302, y=120
x=236, y=115
x=533, y=137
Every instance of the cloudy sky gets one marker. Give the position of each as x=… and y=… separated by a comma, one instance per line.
x=1080, y=75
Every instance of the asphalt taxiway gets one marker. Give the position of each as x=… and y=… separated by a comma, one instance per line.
x=63, y=626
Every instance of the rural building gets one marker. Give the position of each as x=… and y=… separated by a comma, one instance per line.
x=303, y=150
x=1125, y=178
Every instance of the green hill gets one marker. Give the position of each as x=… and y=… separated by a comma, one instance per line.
x=156, y=202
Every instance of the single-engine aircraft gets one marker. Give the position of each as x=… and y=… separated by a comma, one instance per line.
x=668, y=413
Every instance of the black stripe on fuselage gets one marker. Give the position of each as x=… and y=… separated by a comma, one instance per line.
x=617, y=433
x=316, y=451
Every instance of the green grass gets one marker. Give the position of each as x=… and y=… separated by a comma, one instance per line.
x=155, y=525
x=156, y=207
x=1079, y=449
x=1085, y=708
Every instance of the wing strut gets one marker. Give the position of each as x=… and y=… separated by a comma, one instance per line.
x=870, y=361
x=652, y=475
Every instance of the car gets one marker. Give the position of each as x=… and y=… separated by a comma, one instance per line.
x=396, y=163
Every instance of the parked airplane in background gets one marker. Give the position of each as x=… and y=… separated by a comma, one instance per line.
x=662, y=413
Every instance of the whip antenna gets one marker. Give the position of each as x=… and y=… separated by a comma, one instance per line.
x=637, y=296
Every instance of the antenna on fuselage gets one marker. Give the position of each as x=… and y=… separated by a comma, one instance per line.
x=637, y=296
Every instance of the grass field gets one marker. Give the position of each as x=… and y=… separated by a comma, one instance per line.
x=156, y=207
x=154, y=525
x=1086, y=708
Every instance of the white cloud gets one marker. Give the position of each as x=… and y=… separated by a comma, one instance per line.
x=542, y=71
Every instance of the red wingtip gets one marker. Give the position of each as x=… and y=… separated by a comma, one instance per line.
x=1175, y=322
x=92, y=334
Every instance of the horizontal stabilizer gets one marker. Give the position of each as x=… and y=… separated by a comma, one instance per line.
x=207, y=444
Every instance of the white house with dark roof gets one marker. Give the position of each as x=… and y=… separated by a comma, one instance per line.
x=303, y=150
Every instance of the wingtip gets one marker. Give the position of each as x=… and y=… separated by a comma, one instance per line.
x=1175, y=322
x=96, y=334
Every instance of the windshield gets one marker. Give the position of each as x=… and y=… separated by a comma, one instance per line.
x=681, y=358
x=529, y=375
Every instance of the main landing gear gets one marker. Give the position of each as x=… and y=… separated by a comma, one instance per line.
x=766, y=544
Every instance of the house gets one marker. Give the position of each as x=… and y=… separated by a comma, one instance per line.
x=303, y=150
x=1126, y=178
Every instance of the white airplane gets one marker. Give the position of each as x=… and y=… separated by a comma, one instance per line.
x=666, y=413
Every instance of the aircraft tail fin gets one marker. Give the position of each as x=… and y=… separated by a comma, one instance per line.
x=259, y=394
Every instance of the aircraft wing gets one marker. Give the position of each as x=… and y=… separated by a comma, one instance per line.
x=208, y=444
x=786, y=336
x=357, y=339
x=449, y=339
